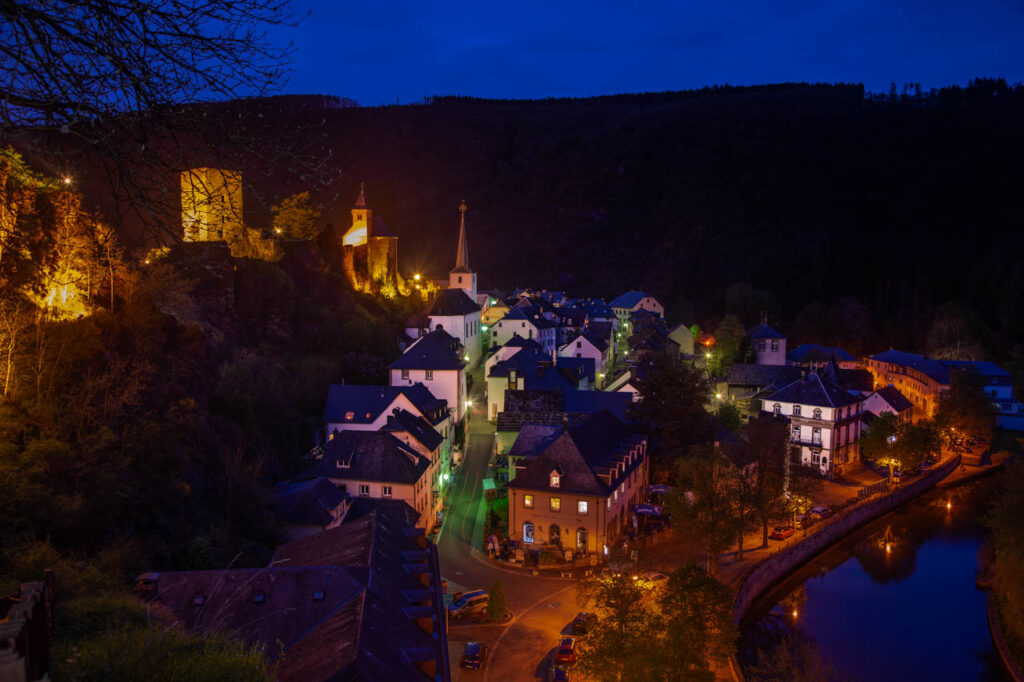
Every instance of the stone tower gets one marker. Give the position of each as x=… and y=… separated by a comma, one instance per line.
x=362, y=219
x=370, y=252
x=211, y=205
x=461, y=277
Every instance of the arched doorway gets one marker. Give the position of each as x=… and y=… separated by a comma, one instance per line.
x=581, y=539
x=554, y=534
x=528, y=532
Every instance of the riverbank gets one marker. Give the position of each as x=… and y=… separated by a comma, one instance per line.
x=999, y=643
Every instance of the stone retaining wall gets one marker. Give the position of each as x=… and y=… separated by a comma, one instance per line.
x=1000, y=644
x=775, y=568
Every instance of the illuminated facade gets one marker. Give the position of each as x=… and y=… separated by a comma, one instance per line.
x=370, y=252
x=211, y=205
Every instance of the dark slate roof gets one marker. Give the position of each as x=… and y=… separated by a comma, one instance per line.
x=813, y=390
x=364, y=506
x=599, y=309
x=307, y=503
x=362, y=625
x=599, y=329
x=417, y=427
x=435, y=350
x=894, y=398
x=536, y=371
x=371, y=456
x=380, y=229
x=535, y=438
x=450, y=302
x=372, y=400
x=564, y=455
x=600, y=342
x=813, y=352
x=519, y=342
x=938, y=370
x=742, y=374
x=592, y=402
x=628, y=299
x=763, y=331
x=583, y=367
x=928, y=366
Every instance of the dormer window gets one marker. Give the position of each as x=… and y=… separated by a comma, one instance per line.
x=259, y=598
x=555, y=480
x=318, y=595
x=349, y=416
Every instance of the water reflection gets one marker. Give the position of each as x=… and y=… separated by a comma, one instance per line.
x=894, y=601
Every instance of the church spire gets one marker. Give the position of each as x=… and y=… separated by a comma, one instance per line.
x=361, y=201
x=462, y=255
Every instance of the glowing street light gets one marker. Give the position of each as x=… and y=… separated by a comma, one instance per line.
x=416, y=277
x=67, y=179
x=718, y=396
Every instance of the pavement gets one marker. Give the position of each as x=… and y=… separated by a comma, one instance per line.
x=542, y=606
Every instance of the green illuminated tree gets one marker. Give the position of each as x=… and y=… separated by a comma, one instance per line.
x=704, y=502
x=695, y=623
x=897, y=443
x=965, y=412
x=619, y=647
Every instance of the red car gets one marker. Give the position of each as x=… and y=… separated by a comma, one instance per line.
x=566, y=651
x=781, y=533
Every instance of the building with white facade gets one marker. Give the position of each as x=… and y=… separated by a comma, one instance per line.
x=825, y=421
x=437, y=361
x=769, y=345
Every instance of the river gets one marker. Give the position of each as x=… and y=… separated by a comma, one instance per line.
x=863, y=613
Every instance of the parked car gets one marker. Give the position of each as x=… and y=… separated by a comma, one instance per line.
x=558, y=673
x=820, y=512
x=475, y=655
x=650, y=578
x=583, y=623
x=469, y=603
x=566, y=651
x=781, y=532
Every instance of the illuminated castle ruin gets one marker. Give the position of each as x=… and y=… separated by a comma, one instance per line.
x=371, y=253
x=211, y=211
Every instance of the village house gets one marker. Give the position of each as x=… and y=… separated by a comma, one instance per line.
x=769, y=345
x=527, y=370
x=435, y=360
x=525, y=322
x=922, y=380
x=383, y=466
x=682, y=335
x=576, y=490
x=630, y=302
x=825, y=421
x=813, y=355
x=888, y=400
x=592, y=347
x=361, y=601
x=310, y=506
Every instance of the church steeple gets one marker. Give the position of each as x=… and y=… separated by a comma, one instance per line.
x=462, y=255
x=461, y=277
x=362, y=221
x=361, y=201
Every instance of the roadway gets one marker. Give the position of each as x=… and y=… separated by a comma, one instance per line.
x=542, y=606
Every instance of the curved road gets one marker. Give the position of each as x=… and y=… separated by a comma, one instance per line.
x=543, y=606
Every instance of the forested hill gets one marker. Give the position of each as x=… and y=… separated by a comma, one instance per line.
x=810, y=192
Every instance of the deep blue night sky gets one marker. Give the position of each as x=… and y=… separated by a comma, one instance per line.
x=393, y=50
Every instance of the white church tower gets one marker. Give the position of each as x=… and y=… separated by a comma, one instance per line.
x=461, y=277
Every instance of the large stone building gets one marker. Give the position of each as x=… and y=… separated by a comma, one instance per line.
x=370, y=252
x=211, y=211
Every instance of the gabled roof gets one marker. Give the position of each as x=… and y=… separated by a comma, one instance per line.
x=451, y=303
x=584, y=368
x=366, y=403
x=593, y=402
x=339, y=605
x=435, y=350
x=536, y=371
x=576, y=477
x=535, y=438
x=896, y=400
x=763, y=331
x=813, y=352
x=813, y=390
x=519, y=342
x=371, y=456
x=417, y=427
x=938, y=370
x=629, y=299
x=309, y=502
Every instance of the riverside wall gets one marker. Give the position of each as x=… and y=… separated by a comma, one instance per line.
x=772, y=570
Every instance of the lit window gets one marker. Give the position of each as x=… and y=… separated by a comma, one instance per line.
x=556, y=480
x=364, y=489
x=385, y=491
x=528, y=501
x=349, y=416
x=555, y=504
x=581, y=506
